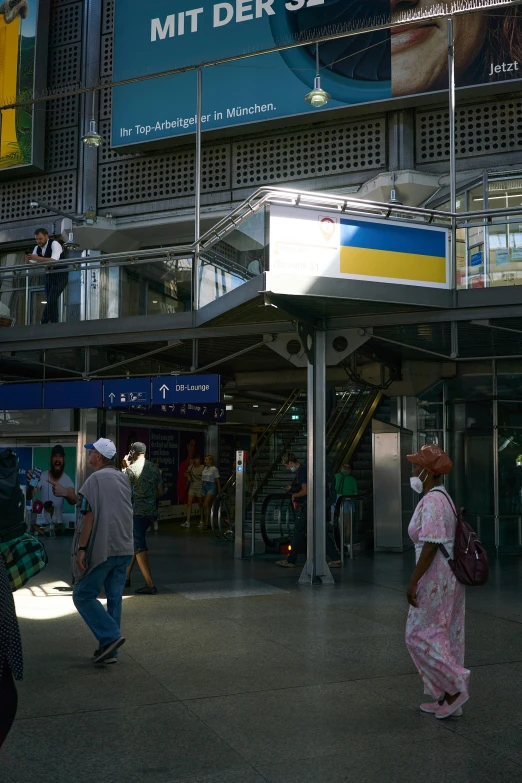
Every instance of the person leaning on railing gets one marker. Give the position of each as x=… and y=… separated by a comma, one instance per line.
x=49, y=251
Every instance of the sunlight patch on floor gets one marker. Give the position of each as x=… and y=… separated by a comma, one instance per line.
x=44, y=602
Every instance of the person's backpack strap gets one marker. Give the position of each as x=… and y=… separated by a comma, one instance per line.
x=452, y=506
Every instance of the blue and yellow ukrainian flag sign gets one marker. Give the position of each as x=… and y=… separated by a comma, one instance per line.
x=392, y=252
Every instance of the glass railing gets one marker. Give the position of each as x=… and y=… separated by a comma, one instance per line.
x=235, y=251
x=92, y=288
x=234, y=258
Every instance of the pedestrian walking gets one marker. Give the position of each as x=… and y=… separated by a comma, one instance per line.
x=11, y=661
x=194, y=476
x=211, y=486
x=103, y=548
x=435, y=626
x=145, y=478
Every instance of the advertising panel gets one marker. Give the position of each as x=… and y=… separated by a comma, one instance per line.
x=23, y=67
x=370, y=67
x=311, y=243
x=57, y=462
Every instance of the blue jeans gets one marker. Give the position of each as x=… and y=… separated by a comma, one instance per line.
x=111, y=575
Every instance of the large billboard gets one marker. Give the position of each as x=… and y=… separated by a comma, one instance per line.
x=23, y=67
x=365, y=68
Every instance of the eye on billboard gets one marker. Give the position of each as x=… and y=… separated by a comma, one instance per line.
x=366, y=68
x=23, y=71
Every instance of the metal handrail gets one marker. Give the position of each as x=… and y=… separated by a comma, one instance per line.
x=256, y=449
x=179, y=253
x=338, y=519
x=354, y=435
x=269, y=499
x=342, y=414
x=293, y=197
x=344, y=205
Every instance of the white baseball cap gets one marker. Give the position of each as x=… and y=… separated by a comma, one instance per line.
x=105, y=446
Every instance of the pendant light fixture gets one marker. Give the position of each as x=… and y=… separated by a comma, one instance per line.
x=317, y=97
x=92, y=138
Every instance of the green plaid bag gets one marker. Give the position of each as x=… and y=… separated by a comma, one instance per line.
x=24, y=558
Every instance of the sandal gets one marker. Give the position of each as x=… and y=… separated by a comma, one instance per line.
x=335, y=564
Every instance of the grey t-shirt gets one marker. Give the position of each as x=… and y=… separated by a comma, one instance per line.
x=108, y=494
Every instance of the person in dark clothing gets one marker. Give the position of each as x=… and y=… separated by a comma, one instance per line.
x=48, y=252
x=299, y=491
x=11, y=663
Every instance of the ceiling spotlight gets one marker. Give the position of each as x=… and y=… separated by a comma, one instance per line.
x=92, y=138
x=317, y=97
x=34, y=204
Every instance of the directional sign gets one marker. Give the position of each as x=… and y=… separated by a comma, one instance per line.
x=173, y=389
x=77, y=394
x=21, y=396
x=126, y=393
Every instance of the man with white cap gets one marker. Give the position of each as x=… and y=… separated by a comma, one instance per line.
x=103, y=548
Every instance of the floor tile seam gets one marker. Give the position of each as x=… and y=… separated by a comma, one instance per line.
x=482, y=744
x=496, y=616
x=283, y=645
x=150, y=674
x=341, y=750
x=475, y=611
x=221, y=739
x=493, y=663
x=291, y=687
x=97, y=709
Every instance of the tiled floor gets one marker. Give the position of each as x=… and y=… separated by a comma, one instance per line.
x=235, y=674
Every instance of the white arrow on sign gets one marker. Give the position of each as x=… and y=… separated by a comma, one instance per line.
x=112, y=396
x=164, y=389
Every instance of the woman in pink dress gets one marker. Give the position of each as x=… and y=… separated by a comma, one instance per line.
x=435, y=627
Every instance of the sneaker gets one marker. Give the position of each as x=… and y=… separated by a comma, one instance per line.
x=113, y=658
x=447, y=710
x=285, y=564
x=186, y=524
x=201, y=525
x=146, y=590
x=433, y=706
x=108, y=650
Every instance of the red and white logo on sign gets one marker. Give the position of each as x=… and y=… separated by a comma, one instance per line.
x=327, y=225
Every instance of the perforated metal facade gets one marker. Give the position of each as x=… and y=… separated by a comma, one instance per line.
x=58, y=186
x=482, y=129
x=302, y=154
x=354, y=148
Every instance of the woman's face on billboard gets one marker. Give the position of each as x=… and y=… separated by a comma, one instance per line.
x=420, y=51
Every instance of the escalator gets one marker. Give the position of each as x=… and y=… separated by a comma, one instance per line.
x=269, y=510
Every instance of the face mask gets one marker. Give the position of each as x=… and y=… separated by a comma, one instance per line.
x=417, y=484
x=293, y=469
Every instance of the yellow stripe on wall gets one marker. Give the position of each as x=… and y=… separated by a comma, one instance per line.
x=387, y=263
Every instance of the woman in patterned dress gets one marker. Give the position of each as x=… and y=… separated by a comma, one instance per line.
x=435, y=627
x=11, y=666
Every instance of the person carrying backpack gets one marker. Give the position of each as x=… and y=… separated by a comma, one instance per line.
x=435, y=626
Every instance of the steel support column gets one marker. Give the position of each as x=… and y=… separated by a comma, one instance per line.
x=453, y=152
x=316, y=570
x=496, y=495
